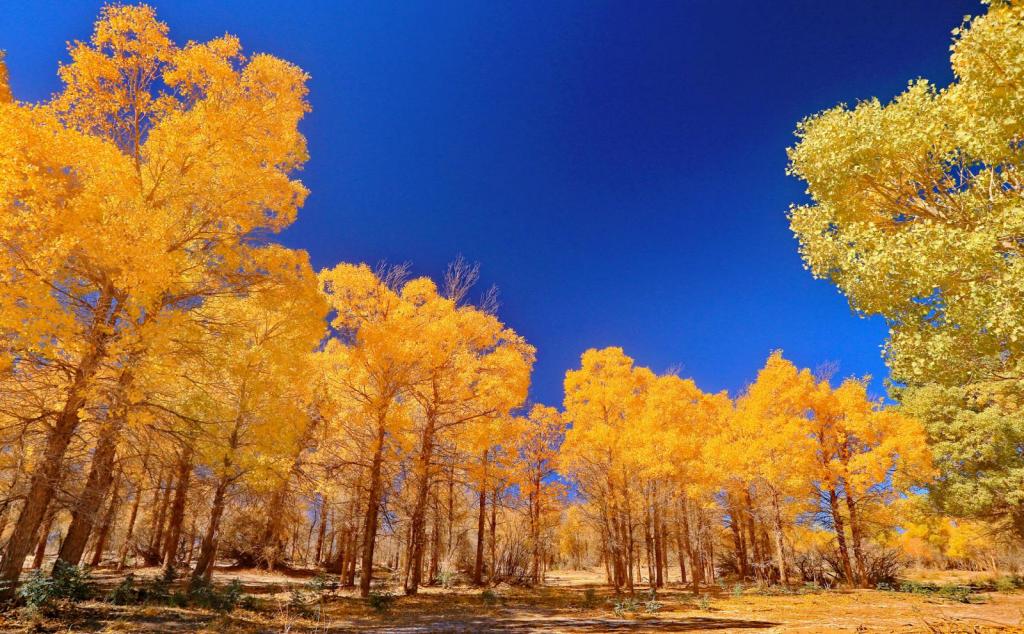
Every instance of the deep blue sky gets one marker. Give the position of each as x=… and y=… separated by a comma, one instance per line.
x=616, y=168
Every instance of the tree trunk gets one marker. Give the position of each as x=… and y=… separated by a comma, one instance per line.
x=840, y=529
x=478, y=567
x=858, y=552
x=373, y=501
x=494, y=535
x=777, y=537
x=122, y=555
x=659, y=546
x=173, y=540
x=208, y=548
x=44, y=539
x=418, y=519
x=104, y=533
x=696, y=571
x=47, y=475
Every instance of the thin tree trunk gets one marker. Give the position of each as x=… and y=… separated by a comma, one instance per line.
x=777, y=537
x=173, y=540
x=122, y=555
x=418, y=520
x=104, y=533
x=208, y=548
x=478, y=566
x=44, y=539
x=373, y=501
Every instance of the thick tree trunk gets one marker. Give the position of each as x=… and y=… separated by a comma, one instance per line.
x=173, y=540
x=47, y=475
x=372, y=502
x=858, y=551
x=84, y=514
x=840, y=529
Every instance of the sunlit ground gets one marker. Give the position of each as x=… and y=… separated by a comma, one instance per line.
x=575, y=601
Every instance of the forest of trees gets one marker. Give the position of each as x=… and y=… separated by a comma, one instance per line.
x=178, y=390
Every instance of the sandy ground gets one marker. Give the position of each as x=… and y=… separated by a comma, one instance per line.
x=570, y=602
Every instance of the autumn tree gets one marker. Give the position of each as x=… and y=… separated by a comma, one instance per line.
x=914, y=214
x=134, y=193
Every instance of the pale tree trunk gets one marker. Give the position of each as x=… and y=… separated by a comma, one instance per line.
x=777, y=538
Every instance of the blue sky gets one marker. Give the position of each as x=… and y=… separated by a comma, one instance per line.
x=618, y=169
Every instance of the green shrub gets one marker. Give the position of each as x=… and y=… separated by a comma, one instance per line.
x=489, y=597
x=65, y=583
x=126, y=592
x=624, y=605
x=381, y=600
x=203, y=594
x=652, y=604
x=704, y=602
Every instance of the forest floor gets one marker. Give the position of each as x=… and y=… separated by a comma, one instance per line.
x=570, y=602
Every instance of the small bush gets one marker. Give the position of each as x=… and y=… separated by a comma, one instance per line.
x=624, y=605
x=65, y=583
x=589, y=598
x=203, y=594
x=381, y=601
x=127, y=592
x=324, y=583
x=652, y=604
x=704, y=602
x=489, y=597
x=737, y=590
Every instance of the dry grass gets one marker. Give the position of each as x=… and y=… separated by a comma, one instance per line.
x=571, y=602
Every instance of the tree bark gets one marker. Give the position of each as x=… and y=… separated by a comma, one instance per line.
x=47, y=475
x=208, y=548
x=44, y=539
x=418, y=519
x=104, y=532
x=84, y=514
x=777, y=537
x=855, y=531
x=478, y=567
x=840, y=529
x=173, y=540
x=372, y=502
